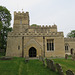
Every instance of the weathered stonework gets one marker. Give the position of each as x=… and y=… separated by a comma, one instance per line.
x=71, y=45
x=25, y=37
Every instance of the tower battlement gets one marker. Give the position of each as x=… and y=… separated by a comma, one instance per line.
x=43, y=26
x=21, y=13
x=21, y=18
x=21, y=24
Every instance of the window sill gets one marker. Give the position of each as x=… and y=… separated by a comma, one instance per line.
x=50, y=51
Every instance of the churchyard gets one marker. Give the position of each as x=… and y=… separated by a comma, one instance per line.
x=18, y=66
x=68, y=64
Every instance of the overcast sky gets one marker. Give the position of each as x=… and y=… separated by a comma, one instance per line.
x=46, y=12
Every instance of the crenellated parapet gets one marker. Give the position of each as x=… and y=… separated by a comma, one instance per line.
x=50, y=34
x=21, y=13
x=69, y=39
x=44, y=26
x=21, y=24
x=21, y=18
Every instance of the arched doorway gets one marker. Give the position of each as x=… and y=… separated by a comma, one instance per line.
x=32, y=52
x=72, y=51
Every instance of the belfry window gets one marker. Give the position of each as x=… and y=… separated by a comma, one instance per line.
x=50, y=45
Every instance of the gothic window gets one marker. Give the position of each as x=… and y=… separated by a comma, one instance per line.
x=66, y=47
x=50, y=45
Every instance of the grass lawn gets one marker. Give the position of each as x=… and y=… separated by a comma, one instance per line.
x=17, y=66
x=66, y=64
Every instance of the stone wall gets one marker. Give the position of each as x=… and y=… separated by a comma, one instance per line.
x=58, y=47
x=36, y=42
x=21, y=18
x=14, y=46
x=29, y=34
x=71, y=45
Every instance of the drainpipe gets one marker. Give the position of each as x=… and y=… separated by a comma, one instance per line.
x=23, y=46
x=44, y=45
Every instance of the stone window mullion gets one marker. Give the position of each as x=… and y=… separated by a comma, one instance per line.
x=50, y=45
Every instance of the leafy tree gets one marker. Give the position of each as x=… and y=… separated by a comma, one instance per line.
x=35, y=25
x=5, y=18
x=0, y=25
x=71, y=34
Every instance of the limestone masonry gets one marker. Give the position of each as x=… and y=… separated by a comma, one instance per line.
x=35, y=41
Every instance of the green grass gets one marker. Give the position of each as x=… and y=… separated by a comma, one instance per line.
x=66, y=64
x=69, y=55
x=17, y=66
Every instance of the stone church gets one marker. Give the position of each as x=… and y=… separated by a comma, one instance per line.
x=35, y=41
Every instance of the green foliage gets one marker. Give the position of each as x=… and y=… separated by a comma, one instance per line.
x=5, y=18
x=2, y=54
x=0, y=25
x=34, y=25
x=71, y=34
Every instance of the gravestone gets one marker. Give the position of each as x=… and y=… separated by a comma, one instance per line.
x=66, y=56
x=40, y=58
x=73, y=57
x=52, y=65
x=6, y=58
x=43, y=61
x=59, y=69
x=26, y=59
x=48, y=63
x=69, y=72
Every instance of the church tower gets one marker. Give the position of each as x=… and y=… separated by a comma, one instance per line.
x=21, y=21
